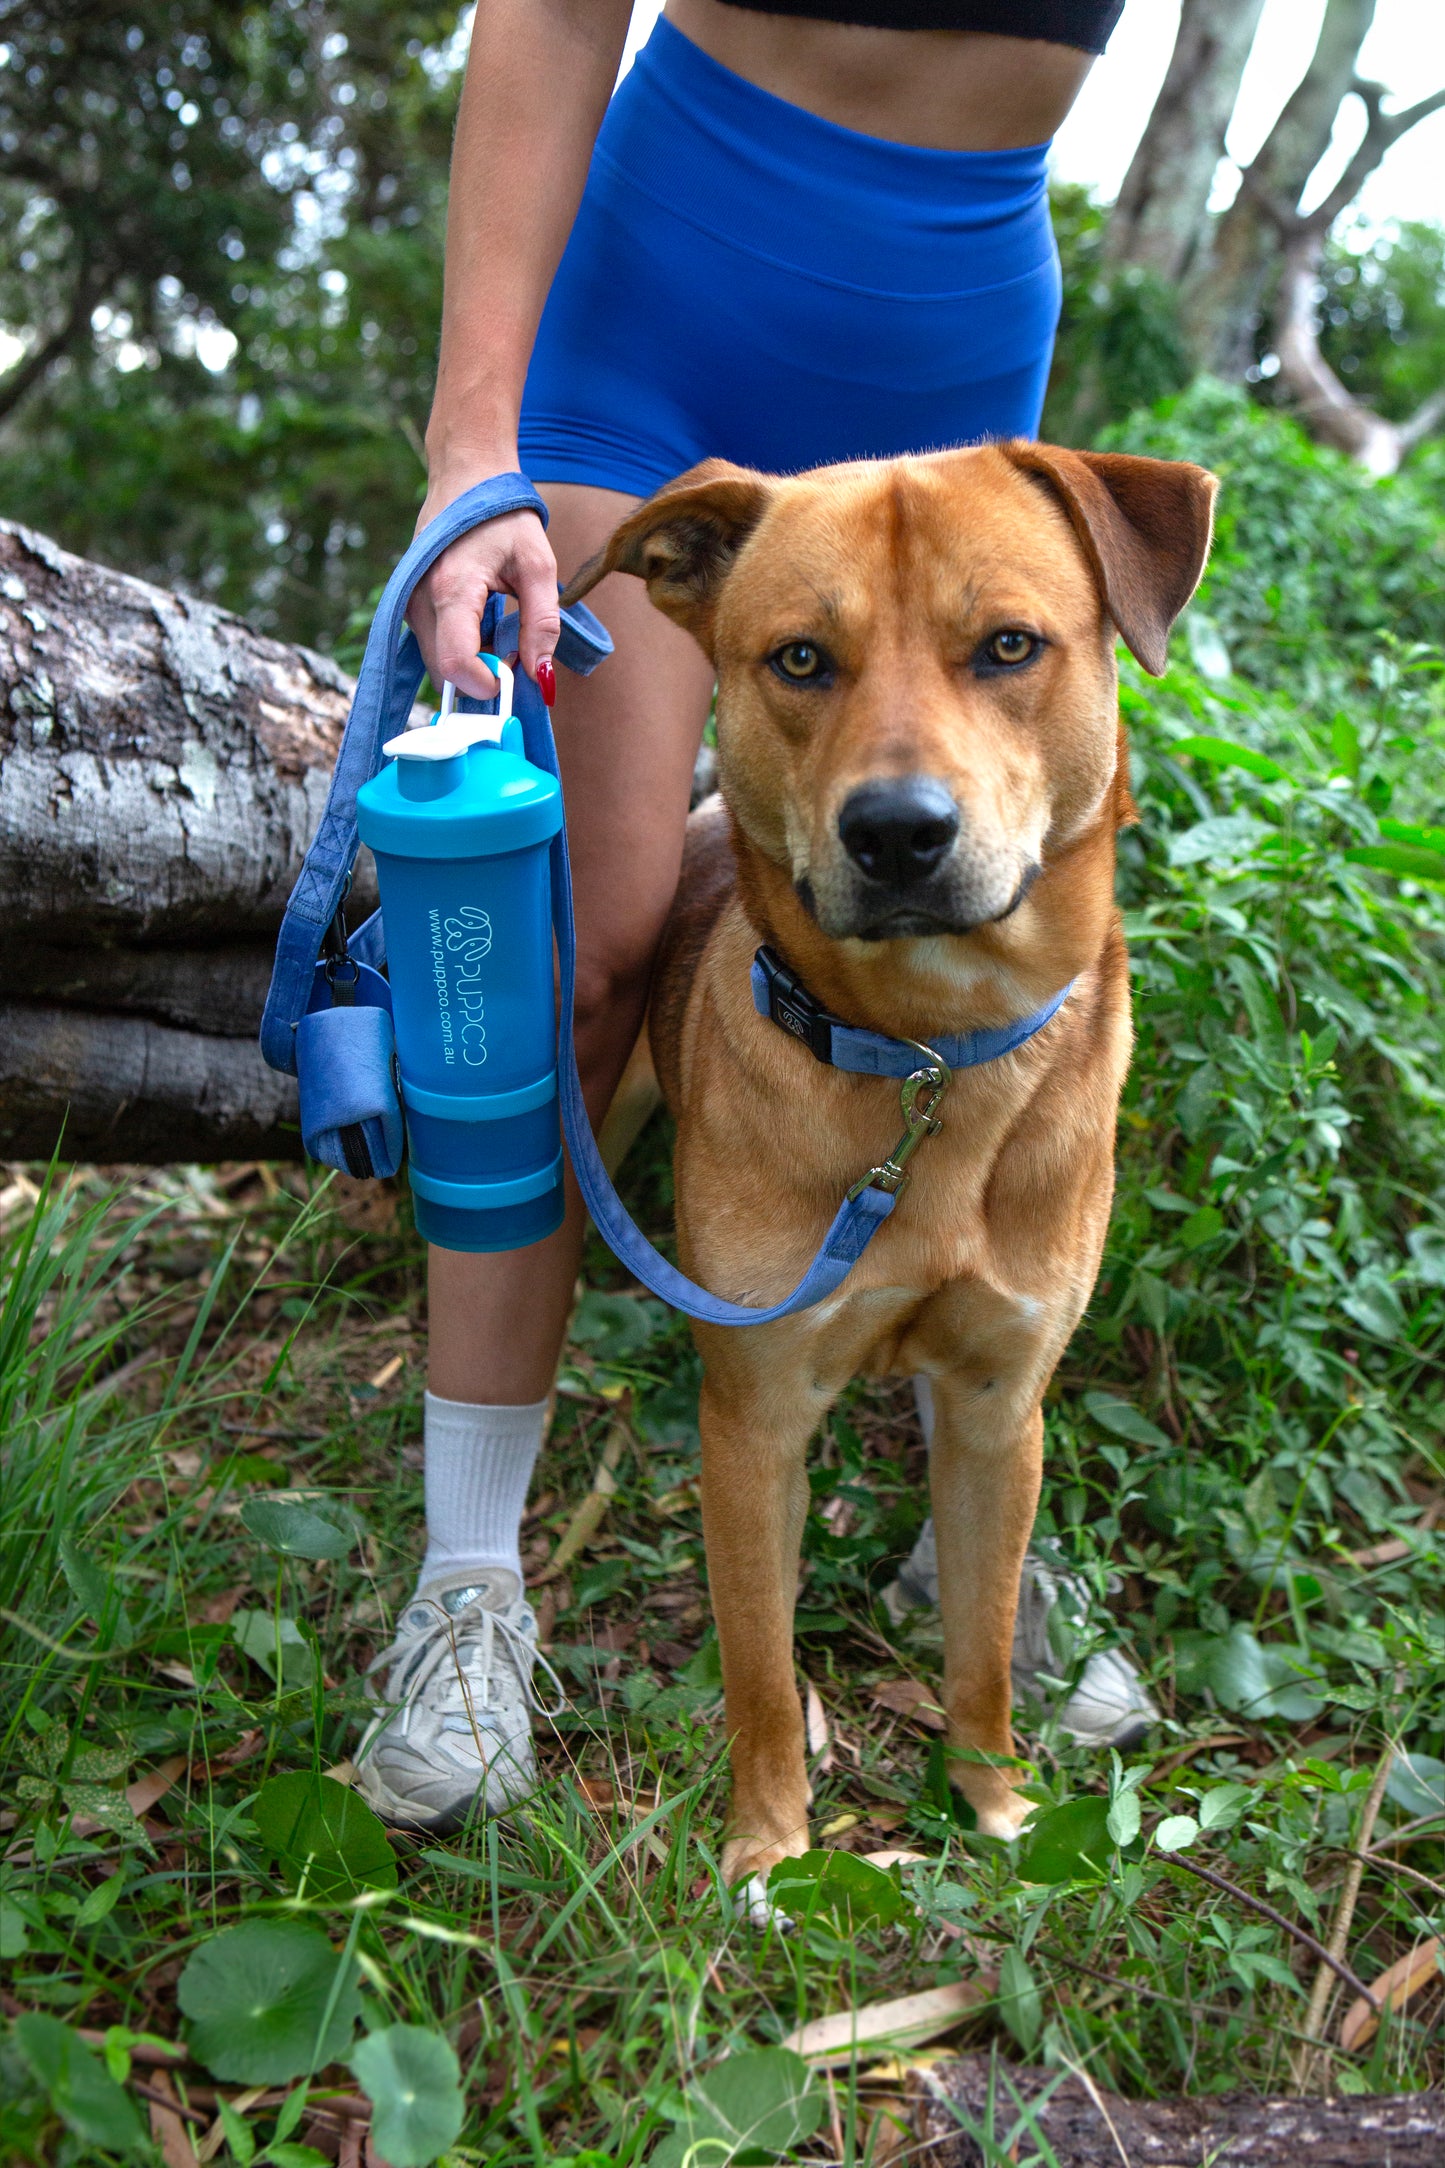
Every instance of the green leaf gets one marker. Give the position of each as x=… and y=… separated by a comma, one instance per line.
x=101, y=1901
x=1417, y=1783
x=600, y=1580
x=1123, y=1419
x=239, y=2135
x=841, y=1883
x=14, y=1930
x=1020, y=2004
x=1405, y=859
x=81, y=2090
x=614, y=1327
x=1176, y=1832
x=301, y=1527
x=1071, y=1843
x=324, y=1837
x=1123, y=1818
x=256, y=1634
x=1421, y=839
x=414, y=2083
x=1262, y=1682
x=1222, y=1807
x=1345, y=747
x=1224, y=836
x=1224, y=753
x=749, y=2108
x=1201, y=1227
x=96, y=1591
x=111, y=1809
x=256, y=1995
x=296, y=2156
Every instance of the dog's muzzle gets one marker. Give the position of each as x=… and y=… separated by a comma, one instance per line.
x=909, y=868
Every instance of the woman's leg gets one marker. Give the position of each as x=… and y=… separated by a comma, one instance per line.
x=627, y=737
x=457, y=1731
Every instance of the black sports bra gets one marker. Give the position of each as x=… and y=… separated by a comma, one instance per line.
x=1085, y=24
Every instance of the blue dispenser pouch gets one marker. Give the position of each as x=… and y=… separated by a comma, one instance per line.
x=346, y=1071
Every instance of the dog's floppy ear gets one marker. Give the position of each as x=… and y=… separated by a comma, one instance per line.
x=683, y=541
x=1144, y=525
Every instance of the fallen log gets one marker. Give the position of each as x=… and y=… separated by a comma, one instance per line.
x=162, y=768
x=1086, y=2127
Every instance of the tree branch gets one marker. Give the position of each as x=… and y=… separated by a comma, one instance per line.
x=1382, y=132
x=14, y=386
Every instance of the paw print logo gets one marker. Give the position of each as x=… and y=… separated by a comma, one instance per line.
x=470, y=933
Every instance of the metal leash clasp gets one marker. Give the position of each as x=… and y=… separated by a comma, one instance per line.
x=920, y=1099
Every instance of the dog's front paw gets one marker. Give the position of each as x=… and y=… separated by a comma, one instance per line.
x=1004, y=1817
x=750, y=1858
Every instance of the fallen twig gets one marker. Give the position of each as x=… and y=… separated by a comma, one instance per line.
x=1344, y=1914
x=1291, y=1927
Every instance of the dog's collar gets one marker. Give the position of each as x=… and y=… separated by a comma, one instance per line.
x=786, y=1002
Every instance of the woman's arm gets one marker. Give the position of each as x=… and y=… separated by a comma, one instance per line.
x=538, y=78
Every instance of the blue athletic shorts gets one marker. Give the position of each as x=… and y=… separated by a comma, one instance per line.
x=747, y=281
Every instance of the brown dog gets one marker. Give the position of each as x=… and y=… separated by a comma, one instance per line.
x=923, y=771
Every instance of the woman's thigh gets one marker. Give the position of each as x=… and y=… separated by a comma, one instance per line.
x=627, y=738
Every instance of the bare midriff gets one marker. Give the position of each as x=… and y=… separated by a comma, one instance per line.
x=949, y=90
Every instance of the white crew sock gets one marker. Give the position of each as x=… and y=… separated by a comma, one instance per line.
x=479, y=1462
x=923, y=1401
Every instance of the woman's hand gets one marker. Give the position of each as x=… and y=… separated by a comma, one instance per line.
x=508, y=556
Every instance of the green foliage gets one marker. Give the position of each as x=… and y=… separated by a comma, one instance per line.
x=750, y=2108
x=326, y=1840
x=79, y=2087
x=411, y=2078
x=268, y=182
x=1382, y=314
x=1119, y=346
x=1319, y=574
x=268, y=2001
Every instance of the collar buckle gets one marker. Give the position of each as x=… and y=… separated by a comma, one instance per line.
x=794, y=1009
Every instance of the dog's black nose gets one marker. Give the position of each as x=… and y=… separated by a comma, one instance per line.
x=899, y=831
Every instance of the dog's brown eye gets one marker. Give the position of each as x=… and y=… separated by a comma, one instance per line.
x=799, y=660
x=1011, y=647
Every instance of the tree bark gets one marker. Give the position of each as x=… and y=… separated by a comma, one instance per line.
x=162, y=768
x=1238, y=2131
x=1159, y=220
x=1232, y=283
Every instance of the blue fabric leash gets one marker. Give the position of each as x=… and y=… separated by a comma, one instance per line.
x=391, y=674
x=300, y=1031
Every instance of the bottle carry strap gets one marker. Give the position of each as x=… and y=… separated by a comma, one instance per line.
x=391, y=675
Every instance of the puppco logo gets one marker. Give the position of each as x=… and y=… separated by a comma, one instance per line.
x=470, y=933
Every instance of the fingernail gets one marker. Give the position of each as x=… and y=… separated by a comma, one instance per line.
x=547, y=680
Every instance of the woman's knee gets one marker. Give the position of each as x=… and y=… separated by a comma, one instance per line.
x=612, y=989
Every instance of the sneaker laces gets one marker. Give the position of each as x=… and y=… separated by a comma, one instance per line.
x=472, y=1634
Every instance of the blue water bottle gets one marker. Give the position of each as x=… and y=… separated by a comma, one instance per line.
x=459, y=822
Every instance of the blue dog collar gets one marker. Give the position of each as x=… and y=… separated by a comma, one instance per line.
x=786, y=1002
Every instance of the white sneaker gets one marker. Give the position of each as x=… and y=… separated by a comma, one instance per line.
x=1109, y=1706
x=454, y=1733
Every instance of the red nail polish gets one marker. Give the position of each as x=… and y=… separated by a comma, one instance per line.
x=547, y=681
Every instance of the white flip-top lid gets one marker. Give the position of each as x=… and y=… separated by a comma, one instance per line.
x=453, y=732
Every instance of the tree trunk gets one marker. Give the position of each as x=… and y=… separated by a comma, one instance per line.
x=1232, y=281
x=1086, y=2127
x=163, y=770
x=1159, y=220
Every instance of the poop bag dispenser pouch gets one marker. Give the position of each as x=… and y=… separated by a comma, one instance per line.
x=460, y=823
x=346, y=1071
